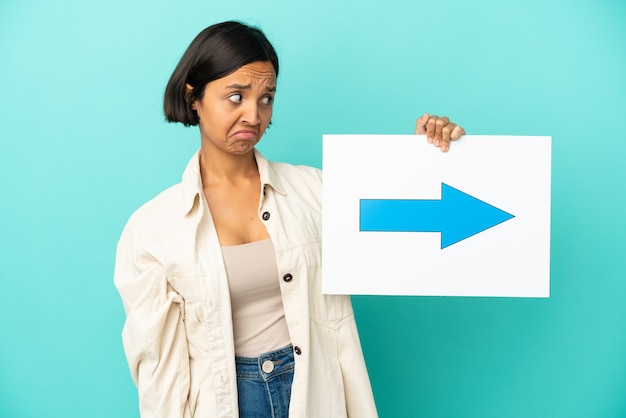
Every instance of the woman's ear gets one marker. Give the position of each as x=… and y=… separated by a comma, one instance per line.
x=188, y=91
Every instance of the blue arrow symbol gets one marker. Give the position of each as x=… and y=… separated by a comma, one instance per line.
x=456, y=216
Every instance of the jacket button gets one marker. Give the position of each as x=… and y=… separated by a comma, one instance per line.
x=297, y=350
x=266, y=216
x=287, y=277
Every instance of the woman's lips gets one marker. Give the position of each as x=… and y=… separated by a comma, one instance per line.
x=245, y=135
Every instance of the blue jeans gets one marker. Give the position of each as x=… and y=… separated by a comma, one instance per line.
x=264, y=384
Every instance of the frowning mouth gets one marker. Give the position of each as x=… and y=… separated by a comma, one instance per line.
x=245, y=134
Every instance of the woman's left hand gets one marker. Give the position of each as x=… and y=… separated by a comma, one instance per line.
x=439, y=131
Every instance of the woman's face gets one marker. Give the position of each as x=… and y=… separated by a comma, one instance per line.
x=236, y=109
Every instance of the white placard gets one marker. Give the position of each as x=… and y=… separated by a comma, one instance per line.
x=383, y=207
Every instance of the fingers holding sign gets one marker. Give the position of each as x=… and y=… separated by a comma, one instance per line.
x=439, y=131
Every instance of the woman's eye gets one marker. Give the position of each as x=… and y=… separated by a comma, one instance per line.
x=235, y=98
x=267, y=100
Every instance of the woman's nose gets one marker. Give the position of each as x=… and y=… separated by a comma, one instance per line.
x=251, y=113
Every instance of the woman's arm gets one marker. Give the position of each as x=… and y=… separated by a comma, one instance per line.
x=153, y=335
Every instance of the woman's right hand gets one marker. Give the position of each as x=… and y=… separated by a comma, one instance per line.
x=439, y=131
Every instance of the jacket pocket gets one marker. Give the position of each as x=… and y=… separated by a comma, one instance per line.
x=328, y=310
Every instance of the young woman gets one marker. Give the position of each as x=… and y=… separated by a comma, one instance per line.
x=220, y=274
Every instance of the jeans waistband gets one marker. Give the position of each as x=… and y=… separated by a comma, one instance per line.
x=267, y=365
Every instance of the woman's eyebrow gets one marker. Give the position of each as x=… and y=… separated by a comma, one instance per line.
x=239, y=86
x=247, y=87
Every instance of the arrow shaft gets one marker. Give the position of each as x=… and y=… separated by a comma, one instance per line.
x=397, y=215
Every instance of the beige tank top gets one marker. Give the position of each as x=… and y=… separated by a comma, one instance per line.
x=259, y=322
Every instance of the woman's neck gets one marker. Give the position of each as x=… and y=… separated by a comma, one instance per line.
x=219, y=167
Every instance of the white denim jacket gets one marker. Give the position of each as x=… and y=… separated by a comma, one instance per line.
x=178, y=333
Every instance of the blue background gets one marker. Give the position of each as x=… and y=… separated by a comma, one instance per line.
x=83, y=143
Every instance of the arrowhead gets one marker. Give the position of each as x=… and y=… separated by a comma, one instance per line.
x=464, y=215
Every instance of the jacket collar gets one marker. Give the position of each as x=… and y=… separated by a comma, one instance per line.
x=192, y=180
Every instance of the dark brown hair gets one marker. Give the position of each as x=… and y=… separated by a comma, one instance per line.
x=216, y=52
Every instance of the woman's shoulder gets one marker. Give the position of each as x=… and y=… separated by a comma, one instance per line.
x=290, y=178
x=163, y=206
x=303, y=170
x=287, y=174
